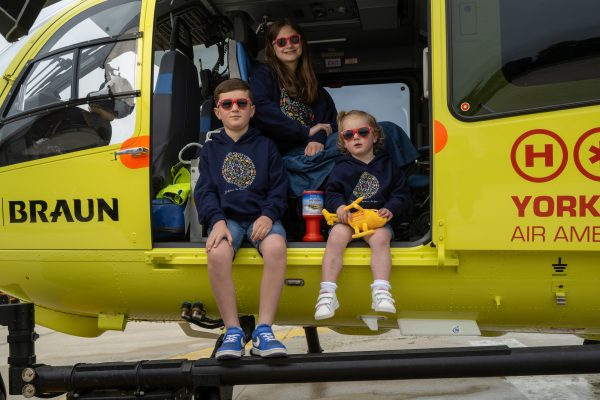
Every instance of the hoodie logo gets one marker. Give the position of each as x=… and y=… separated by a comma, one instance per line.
x=238, y=169
x=367, y=186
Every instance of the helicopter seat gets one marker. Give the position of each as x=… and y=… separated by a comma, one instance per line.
x=243, y=48
x=241, y=52
x=208, y=120
x=175, y=108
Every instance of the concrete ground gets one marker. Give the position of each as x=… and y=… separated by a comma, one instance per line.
x=148, y=341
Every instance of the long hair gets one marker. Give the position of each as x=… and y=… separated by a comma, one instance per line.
x=371, y=121
x=303, y=82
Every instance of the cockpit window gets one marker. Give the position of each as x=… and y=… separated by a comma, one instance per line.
x=49, y=82
x=80, y=97
x=103, y=70
x=109, y=19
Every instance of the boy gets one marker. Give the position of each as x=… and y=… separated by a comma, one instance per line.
x=242, y=192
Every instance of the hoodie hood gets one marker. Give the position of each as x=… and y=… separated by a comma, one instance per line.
x=223, y=139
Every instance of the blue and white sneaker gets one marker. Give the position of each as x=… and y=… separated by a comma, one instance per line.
x=264, y=343
x=232, y=346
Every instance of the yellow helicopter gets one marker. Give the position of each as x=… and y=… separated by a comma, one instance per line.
x=100, y=97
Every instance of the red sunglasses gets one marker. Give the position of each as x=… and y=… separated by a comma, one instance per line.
x=227, y=104
x=283, y=41
x=348, y=134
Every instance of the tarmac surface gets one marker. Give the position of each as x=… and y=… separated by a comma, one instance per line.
x=152, y=341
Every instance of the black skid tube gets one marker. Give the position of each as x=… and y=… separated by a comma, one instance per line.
x=357, y=366
x=179, y=378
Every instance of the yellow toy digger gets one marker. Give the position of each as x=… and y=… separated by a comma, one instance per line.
x=364, y=222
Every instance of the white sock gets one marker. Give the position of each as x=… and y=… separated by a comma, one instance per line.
x=381, y=284
x=328, y=287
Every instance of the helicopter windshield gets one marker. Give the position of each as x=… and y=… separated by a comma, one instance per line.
x=9, y=50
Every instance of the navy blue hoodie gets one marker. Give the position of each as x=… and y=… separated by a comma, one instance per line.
x=240, y=180
x=286, y=132
x=382, y=185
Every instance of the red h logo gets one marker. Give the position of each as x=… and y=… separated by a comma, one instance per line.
x=547, y=155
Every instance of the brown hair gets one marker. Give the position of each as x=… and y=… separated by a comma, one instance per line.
x=303, y=82
x=229, y=86
x=371, y=121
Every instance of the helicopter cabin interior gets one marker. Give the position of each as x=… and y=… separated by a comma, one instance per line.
x=367, y=55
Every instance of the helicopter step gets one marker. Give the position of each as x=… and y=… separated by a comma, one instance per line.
x=212, y=379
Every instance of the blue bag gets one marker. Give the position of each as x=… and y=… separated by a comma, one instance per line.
x=168, y=222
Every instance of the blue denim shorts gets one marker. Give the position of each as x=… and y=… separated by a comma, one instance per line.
x=241, y=229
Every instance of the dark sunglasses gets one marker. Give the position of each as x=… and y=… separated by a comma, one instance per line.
x=227, y=104
x=348, y=134
x=283, y=41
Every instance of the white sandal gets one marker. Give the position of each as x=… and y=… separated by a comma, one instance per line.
x=327, y=303
x=383, y=301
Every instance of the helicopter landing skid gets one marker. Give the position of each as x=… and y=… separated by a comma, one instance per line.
x=214, y=380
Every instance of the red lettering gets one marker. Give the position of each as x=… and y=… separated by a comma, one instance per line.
x=561, y=234
x=588, y=205
x=573, y=234
x=529, y=233
x=521, y=204
x=537, y=206
x=538, y=231
x=585, y=234
x=547, y=155
x=559, y=206
x=566, y=204
x=517, y=234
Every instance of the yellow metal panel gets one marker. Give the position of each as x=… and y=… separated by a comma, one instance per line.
x=70, y=324
x=110, y=321
x=493, y=182
x=87, y=199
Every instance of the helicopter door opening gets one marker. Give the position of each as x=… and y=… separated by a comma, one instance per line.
x=371, y=67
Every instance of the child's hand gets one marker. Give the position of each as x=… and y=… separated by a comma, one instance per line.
x=318, y=128
x=260, y=229
x=218, y=232
x=343, y=215
x=385, y=213
x=313, y=148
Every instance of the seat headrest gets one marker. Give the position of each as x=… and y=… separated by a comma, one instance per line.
x=243, y=33
x=181, y=38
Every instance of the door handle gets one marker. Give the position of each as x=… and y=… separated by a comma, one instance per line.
x=133, y=151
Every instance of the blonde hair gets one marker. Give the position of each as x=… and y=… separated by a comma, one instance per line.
x=371, y=121
x=301, y=83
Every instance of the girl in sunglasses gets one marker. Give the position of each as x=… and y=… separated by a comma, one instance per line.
x=363, y=170
x=292, y=109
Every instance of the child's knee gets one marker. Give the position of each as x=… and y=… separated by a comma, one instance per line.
x=380, y=239
x=273, y=246
x=220, y=256
x=340, y=236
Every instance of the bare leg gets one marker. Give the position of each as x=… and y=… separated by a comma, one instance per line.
x=274, y=251
x=381, y=267
x=339, y=237
x=327, y=302
x=381, y=258
x=220, y=261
